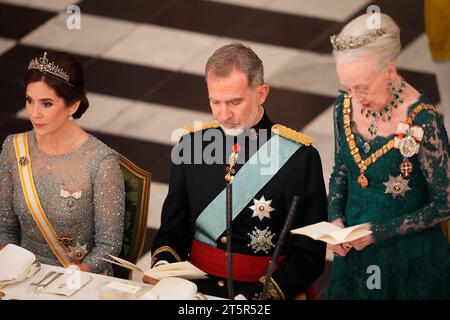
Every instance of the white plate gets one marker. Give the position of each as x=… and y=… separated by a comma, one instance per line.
x=31, y=271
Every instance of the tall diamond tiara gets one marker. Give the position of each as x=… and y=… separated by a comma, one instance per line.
x=43, y=65
x=344, y=43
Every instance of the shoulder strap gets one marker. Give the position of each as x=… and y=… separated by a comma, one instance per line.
x=32, y=200
x=249, y=180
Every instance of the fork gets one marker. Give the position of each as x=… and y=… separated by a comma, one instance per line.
x=48, y=275
x=41, y=286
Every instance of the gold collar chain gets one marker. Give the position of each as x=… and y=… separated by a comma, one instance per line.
x=354, y=150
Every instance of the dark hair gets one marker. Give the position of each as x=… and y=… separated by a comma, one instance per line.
x=70, y=91
x=238, y=56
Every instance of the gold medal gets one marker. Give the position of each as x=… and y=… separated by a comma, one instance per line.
x=362, y=180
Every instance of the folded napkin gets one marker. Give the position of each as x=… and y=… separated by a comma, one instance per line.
x=173, y=288
x=15, y=262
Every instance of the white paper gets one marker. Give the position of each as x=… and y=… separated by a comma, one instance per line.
x=332, y=234
x=15, y=262
x=182, y=269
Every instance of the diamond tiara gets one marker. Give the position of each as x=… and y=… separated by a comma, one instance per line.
x=43, y=65
x=344, y=43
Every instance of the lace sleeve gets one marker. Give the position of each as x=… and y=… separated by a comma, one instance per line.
x=434, y=165
x=337, y=193
x=109, y=203
x=9, y=223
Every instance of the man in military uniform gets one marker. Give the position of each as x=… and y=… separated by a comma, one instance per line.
x=270, y=164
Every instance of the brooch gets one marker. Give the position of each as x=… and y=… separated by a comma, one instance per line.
x=77, y=252
x=23, y=161
x=407, y=139
x=70, y=196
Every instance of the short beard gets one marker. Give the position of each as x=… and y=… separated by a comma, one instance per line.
x=233, y=131
x=242, y=127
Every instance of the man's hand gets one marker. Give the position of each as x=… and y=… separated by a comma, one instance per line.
x=151, y=280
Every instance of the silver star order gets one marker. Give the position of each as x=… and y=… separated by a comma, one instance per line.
x=261, y=240
x=397, y=186
x=261, y=208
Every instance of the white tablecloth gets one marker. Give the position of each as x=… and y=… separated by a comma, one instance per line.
x=91, y=291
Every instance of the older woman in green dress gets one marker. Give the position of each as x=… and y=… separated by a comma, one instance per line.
x=391, y=173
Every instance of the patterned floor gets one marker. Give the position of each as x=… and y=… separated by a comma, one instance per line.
x=144, y=62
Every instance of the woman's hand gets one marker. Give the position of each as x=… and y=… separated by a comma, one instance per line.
x=338, y=249
x=84, y=267
x=363, y=242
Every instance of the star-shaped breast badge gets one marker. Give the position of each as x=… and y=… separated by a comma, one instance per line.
x=261, y=240
x=261, y=208
x=397, y=186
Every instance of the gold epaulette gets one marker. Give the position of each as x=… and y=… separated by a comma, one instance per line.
x=292, y=134
x=203, y=126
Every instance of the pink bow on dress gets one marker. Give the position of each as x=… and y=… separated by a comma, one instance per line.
x=66, y=194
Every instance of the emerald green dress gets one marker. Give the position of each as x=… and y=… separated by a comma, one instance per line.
x=410, y=255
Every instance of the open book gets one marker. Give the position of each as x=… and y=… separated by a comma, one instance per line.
x=182, y=269
x=331, y=233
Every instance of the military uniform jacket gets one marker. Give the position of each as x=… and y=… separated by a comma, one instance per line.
x=193, y=186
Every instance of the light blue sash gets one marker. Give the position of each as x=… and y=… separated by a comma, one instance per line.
x=251, y=178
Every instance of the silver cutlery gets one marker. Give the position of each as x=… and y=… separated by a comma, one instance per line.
x=48, y=275
x=44, y=285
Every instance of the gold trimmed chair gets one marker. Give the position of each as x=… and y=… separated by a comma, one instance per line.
x=137, y=194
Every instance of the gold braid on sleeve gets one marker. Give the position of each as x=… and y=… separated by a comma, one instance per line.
x=164, y=249
x=274, y=291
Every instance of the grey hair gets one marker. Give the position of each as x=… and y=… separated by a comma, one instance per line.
x=384, y=48
x=236, y=56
